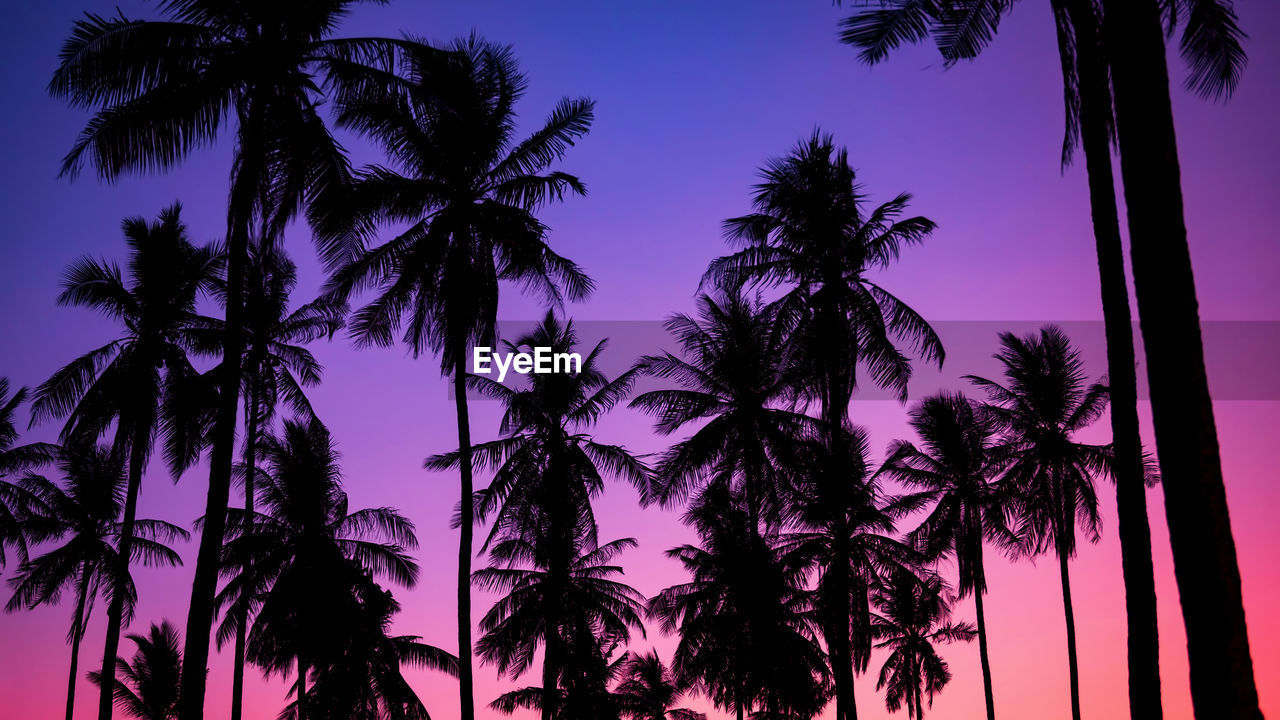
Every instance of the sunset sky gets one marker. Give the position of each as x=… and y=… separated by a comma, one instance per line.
x=693, y=97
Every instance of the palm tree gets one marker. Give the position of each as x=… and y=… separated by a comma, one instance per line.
x=142, y=381
x=308, y=551
x=164, y=88
x=82, y=518
x=737, y=385
x=914, y=616
x=14, y=500
x=1204, y=553
x=1042, y=405
x=589, y=666
x=152, y=681
x=649, y=690
x=810, y=234
x=469, y=194
x=847, y=534
x=745, y=619
x=276, y=369
x=547, y=470
x=955, y=468
x=1212, y=44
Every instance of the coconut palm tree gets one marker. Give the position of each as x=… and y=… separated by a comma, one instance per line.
x=914, y=615
x=589, y=667
x=954, y=469
x=82, y=520
x=276, y=369
x=14, y=500
x=142, y=382
x=152, y=680
x=307, y=550
x=1039, y=408
x=469, y=193
x=746, y=622
x=1204, y=553
x=648, y=691
x=736, y=382
x=547, y=470
x=163, y=88
x=810, y=234
x=1211, y=43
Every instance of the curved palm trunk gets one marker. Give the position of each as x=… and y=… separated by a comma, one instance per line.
x=242, y=629
x=195, y=661
x=978, y=591
x=465, y=696
x=1073, y=667
x=77, y=633
x=115, y=611
x=1204, y=553
x=302, y=689
x=1131, y=497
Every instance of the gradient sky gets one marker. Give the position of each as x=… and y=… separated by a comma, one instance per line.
x=692, y=98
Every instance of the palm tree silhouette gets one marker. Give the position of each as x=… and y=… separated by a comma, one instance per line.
x=165, y=88
x=736, y=382
x=142, y=381
x=648, y=691
x=954, y=469
x=152, y=680
x=745, y=618
x=547, y=469
x=308, y=551
x=276, y=369
x=82, y=521
x=914, y=615
x=1212, y=44
x=1038, y=410
x=810, y=234
x=469, y=193
x=15, y=501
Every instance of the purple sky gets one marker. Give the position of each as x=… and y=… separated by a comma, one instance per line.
x=692, y=98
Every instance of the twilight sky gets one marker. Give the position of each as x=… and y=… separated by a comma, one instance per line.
x=692, y=98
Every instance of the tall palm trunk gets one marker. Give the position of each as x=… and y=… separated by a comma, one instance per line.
x=302, y=689
x=77, y=633
x=1073, y=667
x=466, y=699
x=115, y=610
x=204, y=586
x=980, y=589
x=242, y=625
x=1131, y=497
x=1204, y=553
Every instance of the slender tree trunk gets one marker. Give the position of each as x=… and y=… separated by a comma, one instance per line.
x=242, y=629
x=1073, y=668
x=1131, y=497
x=1204, y=553
x=978, y=591
x=115, y=611
x=465, y=692
x=195, y=661
x=77, y=633
x=302, y=689
x=550, y=662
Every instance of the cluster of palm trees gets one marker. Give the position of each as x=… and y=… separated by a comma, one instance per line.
x=800, y=571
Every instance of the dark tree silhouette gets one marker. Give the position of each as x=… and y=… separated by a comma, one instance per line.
x=811, y=235
x=164, y=88
x=746, y=621
x=276, y=369
x=15, y=501
x=1038, y=410
x=82, y=520
x=152, y=680
x=736, y=382
x=142, y=382
x=1204, y=552
x=914, y=615
x=648, y=691
x=954, y=469
x=469, y=193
